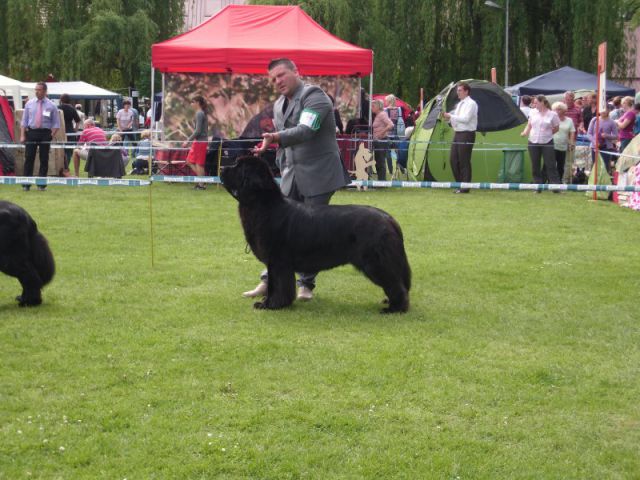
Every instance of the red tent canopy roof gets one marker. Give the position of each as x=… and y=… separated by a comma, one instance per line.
x=244, y=38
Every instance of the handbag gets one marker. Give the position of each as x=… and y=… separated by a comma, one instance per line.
x=400, y=126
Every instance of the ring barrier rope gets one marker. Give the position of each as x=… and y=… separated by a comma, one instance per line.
x=229, y=145
x=108, y=182
x=561, y=187
x=74, y=182
x=355, y=183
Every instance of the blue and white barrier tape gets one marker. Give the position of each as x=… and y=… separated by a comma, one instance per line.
x=437, y=185
x=74, y=182
x=184, y=179
x=495, y=186
x=108, y=182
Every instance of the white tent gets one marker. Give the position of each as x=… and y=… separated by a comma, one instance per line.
x=16, y=89
x=79, y=91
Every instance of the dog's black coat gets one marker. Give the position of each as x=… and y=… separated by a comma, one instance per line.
x=24, y=253
x=289, y=236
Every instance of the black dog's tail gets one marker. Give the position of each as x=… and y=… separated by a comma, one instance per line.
x=42, y=257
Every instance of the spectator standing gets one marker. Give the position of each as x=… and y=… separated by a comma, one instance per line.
x=125, y=119
x=589, y=110
x=574, y=112
x=617, y=111
x=604, y=138
x=626, y=123
x=464, y=121
x=564, y=138
x=80, y=124
x=71, y=119
x=636, y=127
x=525, y=105
x=395, y=115
x=197, y=155
x=40, y=122
x=382, y=126
x=543, y=124
x=91, y=135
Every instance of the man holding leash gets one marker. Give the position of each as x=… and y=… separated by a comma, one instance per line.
x=308, y=154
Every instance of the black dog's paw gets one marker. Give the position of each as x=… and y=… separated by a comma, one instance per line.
x=28, y=302
x=267, y=304
x=388, y=310
x=260, y=305
x=398, y=307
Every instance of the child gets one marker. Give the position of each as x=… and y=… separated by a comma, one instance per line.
x=143, y=152
x=116, y=139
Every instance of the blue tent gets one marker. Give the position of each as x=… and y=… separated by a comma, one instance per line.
x=566, y=78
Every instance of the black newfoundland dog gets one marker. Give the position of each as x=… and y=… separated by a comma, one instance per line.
x=289, y=237
x=24, y=253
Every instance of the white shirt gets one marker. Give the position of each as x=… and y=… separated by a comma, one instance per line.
x=561, y=137
x=542, y=126
x=464, y=117
x=526, y=110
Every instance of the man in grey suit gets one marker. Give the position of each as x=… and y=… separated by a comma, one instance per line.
x=308, y=155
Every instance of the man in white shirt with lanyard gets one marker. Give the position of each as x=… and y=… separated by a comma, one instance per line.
x=464, y=120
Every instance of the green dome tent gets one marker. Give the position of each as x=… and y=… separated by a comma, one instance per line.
x=496, y=154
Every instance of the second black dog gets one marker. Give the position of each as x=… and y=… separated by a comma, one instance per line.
x=24, y=253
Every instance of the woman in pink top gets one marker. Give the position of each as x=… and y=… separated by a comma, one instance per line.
x=381, y=128
x=626, y=123
x=543, y=124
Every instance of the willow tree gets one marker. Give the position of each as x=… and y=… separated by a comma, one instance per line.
x=107, y=42
x=428, y=43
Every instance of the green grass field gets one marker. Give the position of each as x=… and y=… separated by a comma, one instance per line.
x=518, y=359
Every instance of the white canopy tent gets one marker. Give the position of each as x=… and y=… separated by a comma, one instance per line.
x=79, y=91
x=15, y=90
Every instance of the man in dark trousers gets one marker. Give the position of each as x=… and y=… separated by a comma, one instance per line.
x=40, y=122
x=464, y=120
x=308, y=154
x=71, y=122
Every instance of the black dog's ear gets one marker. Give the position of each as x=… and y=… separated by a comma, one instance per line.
x=257, y=175
x=255, y=179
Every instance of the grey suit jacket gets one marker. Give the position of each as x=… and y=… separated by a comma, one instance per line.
x=308, y=149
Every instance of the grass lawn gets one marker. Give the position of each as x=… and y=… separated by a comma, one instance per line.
x=518, y=359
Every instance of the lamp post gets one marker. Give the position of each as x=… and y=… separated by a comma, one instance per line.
x=491, y=4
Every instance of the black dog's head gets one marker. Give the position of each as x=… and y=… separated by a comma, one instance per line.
x=250, y=180
x=580, y=177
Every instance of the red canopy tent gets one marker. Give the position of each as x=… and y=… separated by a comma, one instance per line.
x=244, y=38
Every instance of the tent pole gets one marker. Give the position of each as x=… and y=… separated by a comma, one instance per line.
x=370, y=135
x=150, y=159
x=164, y=89
x=153, y=107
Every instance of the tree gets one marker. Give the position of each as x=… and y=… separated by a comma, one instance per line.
x=429, y=43
x=111, y=49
